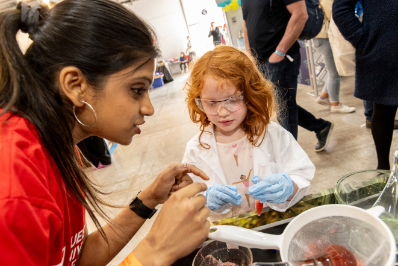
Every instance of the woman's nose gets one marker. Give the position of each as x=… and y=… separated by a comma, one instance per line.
x=147, y=107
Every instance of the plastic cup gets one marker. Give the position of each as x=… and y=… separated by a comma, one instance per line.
x=220, y=253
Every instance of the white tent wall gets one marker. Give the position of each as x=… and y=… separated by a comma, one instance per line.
x=167, y=18
x=199, y=24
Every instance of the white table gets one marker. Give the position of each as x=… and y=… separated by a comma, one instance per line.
x=174, y=67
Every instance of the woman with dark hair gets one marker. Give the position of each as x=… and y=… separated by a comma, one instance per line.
x=87, y=73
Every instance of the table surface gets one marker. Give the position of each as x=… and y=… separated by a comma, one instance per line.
x=273, y=222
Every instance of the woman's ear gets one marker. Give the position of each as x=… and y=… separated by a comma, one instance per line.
x=73, y=84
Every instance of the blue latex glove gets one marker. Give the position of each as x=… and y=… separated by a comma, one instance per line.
x=275, y=188
x=219, y=195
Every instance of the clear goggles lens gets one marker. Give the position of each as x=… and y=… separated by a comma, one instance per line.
x=232, y=104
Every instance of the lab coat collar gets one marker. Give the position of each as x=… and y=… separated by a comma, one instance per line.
x=210, y=156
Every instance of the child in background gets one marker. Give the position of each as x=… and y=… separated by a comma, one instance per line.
x=183, y=62
x=246, y=156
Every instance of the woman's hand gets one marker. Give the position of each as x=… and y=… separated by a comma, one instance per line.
x=173, y=178
x=180, y=227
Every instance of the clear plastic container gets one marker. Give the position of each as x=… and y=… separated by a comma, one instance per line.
x=218, y=253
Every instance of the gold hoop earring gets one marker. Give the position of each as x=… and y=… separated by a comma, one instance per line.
x=74, y=113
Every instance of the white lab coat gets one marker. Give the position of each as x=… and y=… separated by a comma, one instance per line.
x=279, y=152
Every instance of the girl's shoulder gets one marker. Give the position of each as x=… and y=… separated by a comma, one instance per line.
x=276, y=132
x=274, y=127
x=207, y=137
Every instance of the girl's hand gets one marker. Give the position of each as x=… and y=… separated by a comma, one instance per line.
x=218, y=195
x=276, y=188
x=180, y=227
x=173, y=178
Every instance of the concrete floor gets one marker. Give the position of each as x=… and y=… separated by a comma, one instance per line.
x=164, y=137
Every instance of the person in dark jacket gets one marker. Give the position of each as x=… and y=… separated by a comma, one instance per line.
x=376, y=42
x=215, y=32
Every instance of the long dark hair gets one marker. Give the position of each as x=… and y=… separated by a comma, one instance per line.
x=100, y=37
x=183, y=55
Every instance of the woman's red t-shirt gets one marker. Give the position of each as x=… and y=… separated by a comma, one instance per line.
x=40, y=222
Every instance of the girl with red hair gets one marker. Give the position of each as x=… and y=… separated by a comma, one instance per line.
x=246, y=156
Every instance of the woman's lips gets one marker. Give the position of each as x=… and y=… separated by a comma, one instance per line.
x=226, y=122
x=138, y=127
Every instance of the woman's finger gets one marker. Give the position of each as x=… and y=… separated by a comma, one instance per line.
x=199, y=201
x=188, y=168
x=181, y=185
x=184, y=178
x=204, y=213
x=196, y=171
x=192, y=190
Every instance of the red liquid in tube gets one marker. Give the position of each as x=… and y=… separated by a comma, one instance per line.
x=259, y=207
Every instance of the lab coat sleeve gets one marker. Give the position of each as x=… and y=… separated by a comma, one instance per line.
x=190, y=158
x=296, y=163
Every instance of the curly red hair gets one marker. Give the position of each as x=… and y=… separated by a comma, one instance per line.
x=228, y=63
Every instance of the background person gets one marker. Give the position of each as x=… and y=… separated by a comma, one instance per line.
x=246, y=156
x=272, y=35
x=192, y=53
x=183, y=62
x=331, y=91
x=60, y=92
x=375, y=79
x=215, y=32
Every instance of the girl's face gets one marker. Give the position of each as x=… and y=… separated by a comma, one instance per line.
x=226, y=122
x=182, y=55
x=122, y=104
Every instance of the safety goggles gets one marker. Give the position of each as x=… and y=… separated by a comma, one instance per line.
x=210, y=107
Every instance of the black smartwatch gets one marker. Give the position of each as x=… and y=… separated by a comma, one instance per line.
x=140, y=209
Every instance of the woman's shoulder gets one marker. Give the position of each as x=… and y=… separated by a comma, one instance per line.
x=18, y=132
x=25, y=166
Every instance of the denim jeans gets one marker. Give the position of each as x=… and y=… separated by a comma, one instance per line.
x=284, y=75
x=368, y=109
x=332, y=85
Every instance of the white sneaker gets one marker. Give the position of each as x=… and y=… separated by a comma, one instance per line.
x=341, y=108
x=325, y=101
x=182, y=71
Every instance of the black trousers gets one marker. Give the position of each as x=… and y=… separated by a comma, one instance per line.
x=183, y=64
x=382, y=131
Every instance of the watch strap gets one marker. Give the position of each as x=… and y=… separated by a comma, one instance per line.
x=140, y=209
